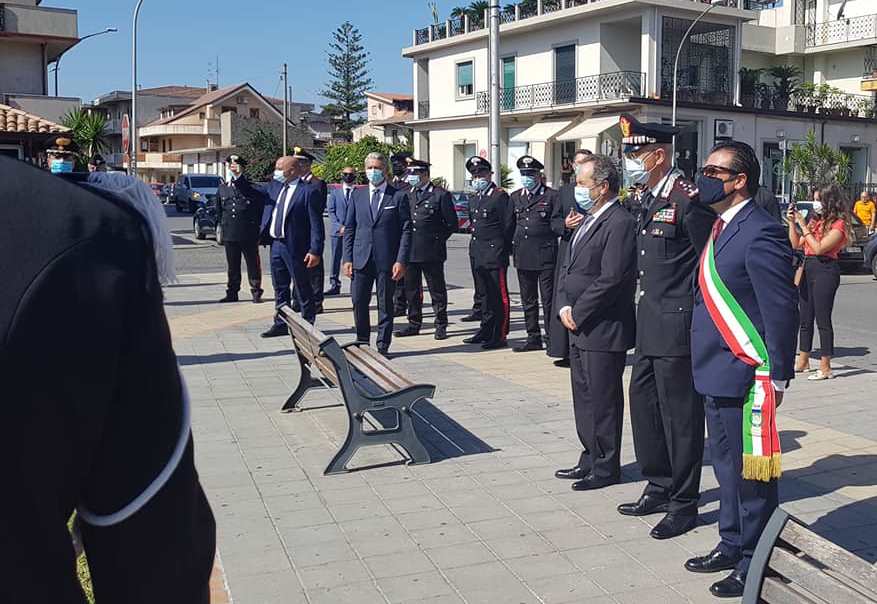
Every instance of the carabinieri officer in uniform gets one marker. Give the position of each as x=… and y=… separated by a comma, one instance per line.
x=539, y=221
x=667, y=414
x=493, y=226
x=433, y=221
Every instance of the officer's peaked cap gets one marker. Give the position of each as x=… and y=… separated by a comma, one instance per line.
x=476, y=163
x=636, y=134
x=528, y=162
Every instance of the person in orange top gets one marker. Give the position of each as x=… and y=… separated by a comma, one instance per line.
x=866, y=210
x=822, y=237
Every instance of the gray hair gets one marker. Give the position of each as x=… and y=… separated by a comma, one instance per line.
x=605, y=171
x=377, y=156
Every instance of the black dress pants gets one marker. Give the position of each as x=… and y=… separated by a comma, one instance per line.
x=478, y=294
x=361, y=292
x=316, y=277
x=250, y=251
x=816, y=297
x=667, y=417
x=533, y=284
x=598, y=404
x=438, y=292
x=400, y=303
x=495, y=304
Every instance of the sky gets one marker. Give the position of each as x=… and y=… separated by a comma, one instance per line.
x=179, y=40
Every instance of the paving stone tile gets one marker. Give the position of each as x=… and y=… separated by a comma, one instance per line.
x=424, y=504
x=460, y=555
x=574, y=587
x=520, y=545
x=354, y=593
x=450, y=534
x=271, y=588
x=418, y=520
x=399, y=564
x=499, y=528
x=481, y=577
x=314, y=554
x=414, y=586
x=333, y=574
x=573, y=537
x=538, y=566
x=312, y=516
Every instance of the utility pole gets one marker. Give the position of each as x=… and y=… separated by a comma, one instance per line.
x=493, y=59
x=285, y=107
x=135, y=139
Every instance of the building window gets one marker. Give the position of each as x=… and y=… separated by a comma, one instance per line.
x=465, y=79
x=706, y=63
x=254, y=113
x=201, y=116
x=565, y=74
x=170, y=144
x=209, y=168
x=507, y=91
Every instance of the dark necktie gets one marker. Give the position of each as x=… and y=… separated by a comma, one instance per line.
x=280, y=217
x=347, y=195
x=376, y=202
x=718, y=226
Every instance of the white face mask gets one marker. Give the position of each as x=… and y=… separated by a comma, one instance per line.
x=817, y=207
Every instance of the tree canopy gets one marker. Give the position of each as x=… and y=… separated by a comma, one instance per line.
x=349, y=80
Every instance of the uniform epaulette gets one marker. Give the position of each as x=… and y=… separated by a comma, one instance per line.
x=687, y=187
x=500, y=189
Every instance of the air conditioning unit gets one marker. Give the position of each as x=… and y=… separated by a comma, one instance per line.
x=724, y=129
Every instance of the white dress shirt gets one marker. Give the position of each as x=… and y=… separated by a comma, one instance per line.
x=290, y=191
x=589, y=221
x=371, y=193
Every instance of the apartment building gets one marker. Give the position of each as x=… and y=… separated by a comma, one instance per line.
x=387, y=113
x=569, y=68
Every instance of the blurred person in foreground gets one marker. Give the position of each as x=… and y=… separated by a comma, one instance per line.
x=822, y=237
x=96, y=411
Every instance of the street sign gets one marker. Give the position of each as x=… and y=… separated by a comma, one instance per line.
x=126, y=134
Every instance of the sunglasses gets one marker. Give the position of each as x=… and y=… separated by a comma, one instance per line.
x=714, y=171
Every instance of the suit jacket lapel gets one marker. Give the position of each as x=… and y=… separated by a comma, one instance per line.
x=593, y=229
x=733, y=227
x=389, y=191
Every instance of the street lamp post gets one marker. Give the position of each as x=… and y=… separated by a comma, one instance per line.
x=713, y=4
x=109, y=30
x=135, y=139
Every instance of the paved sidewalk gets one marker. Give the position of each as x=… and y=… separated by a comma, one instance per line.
x=493, y=526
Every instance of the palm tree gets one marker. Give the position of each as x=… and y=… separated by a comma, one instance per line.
x=476, y=11
x=88, y=131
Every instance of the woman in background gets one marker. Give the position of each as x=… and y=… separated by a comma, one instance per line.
x=823, y=235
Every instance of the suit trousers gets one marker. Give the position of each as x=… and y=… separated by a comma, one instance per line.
x=478, y=294
x=286, y=270
x=438, y=292
x=250, y=251
x=667, y=418
x=361, y=292
x=744, y=505
x=598, y=405
x=400, y=302
x=316, y=277
x=495, y=304
x=337, y=252
x=533, y=284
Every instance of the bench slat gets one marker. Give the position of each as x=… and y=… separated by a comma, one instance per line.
x=381, y=366
x=774, y=591
x=381, y=380
x=840, y=562
x=811, y=578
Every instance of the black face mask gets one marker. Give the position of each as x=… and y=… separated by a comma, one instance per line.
x=348, y=177
x=712, y=189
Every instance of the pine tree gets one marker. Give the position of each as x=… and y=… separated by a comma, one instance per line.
x=349, y=80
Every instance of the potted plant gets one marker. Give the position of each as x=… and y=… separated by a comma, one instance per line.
x=749, y=86
x=805, y=98
x=785, y=83
x=823, y=99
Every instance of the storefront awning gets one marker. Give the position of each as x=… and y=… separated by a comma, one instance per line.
x=590, y=128
x=541, y=132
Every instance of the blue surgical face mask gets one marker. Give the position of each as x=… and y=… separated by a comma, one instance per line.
x=413, y=180
x=635, y=171
x=59, y=166
x=710, y=189
x=375, y=176
x=583, y=198
x=279, y=176
x=529, y=182
x=480, y=183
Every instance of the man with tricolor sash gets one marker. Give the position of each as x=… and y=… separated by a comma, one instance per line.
x=743, y=337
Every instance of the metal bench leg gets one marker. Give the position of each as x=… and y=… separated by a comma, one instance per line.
x=412, y=445
x=338, y=465
x=305, y=382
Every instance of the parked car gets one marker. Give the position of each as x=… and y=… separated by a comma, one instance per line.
x=461, y=207
x=852, y=256
x=204, y=221
x=193, y=190
x=870, y=253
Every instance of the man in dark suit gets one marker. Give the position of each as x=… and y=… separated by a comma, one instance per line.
x=399, y=165
x=377, y=239
x=743, y=339
x=433, y=221
x=339, y=200
x=98, y=420
x=493, y=227
x=558, y=335
x=317, y=273
x=539, y=222
x=239, y=208
x=665, y=410
x=596, y=299
x=292, y=224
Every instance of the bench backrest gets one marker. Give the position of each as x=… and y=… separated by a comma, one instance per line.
x=307, y=339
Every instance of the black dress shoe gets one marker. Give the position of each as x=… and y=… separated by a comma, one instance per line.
x=673, y=525
x=257, y=297
x=494, y=345
x=562, y=363
x=229, y=297
x=576, y=473
x=319, y=310
x=476, y=339
x=296, y=307
x=407, y=332
x=645, y=505
x=275, y=331
x=335, y=291
x=384, y=352
x=731, y=586
x=400, y=312
x=528, y=346
x=441, y=332
x=713, y=562
x=473, y=318
x=591, y=482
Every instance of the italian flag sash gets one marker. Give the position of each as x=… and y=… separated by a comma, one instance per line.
x=761, y=441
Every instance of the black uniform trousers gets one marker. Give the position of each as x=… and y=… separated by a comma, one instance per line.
x=478, y=294
x=598, y=405
x=400, y=302
x=438, y=292
x=666, y=414
x=533, y=284
x=250, y=251
x=495, y=304
x=745, y=506
x=816, y=295
x=361, y=292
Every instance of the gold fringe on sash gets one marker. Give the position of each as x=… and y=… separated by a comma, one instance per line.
x=759, y=467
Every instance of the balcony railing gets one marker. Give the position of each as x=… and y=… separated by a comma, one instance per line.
x=423, y=110
x=589, y=89
x=823, y=104
x=843, y=30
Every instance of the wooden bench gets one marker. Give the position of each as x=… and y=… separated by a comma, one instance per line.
x=370, y=384
x=791, y=563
